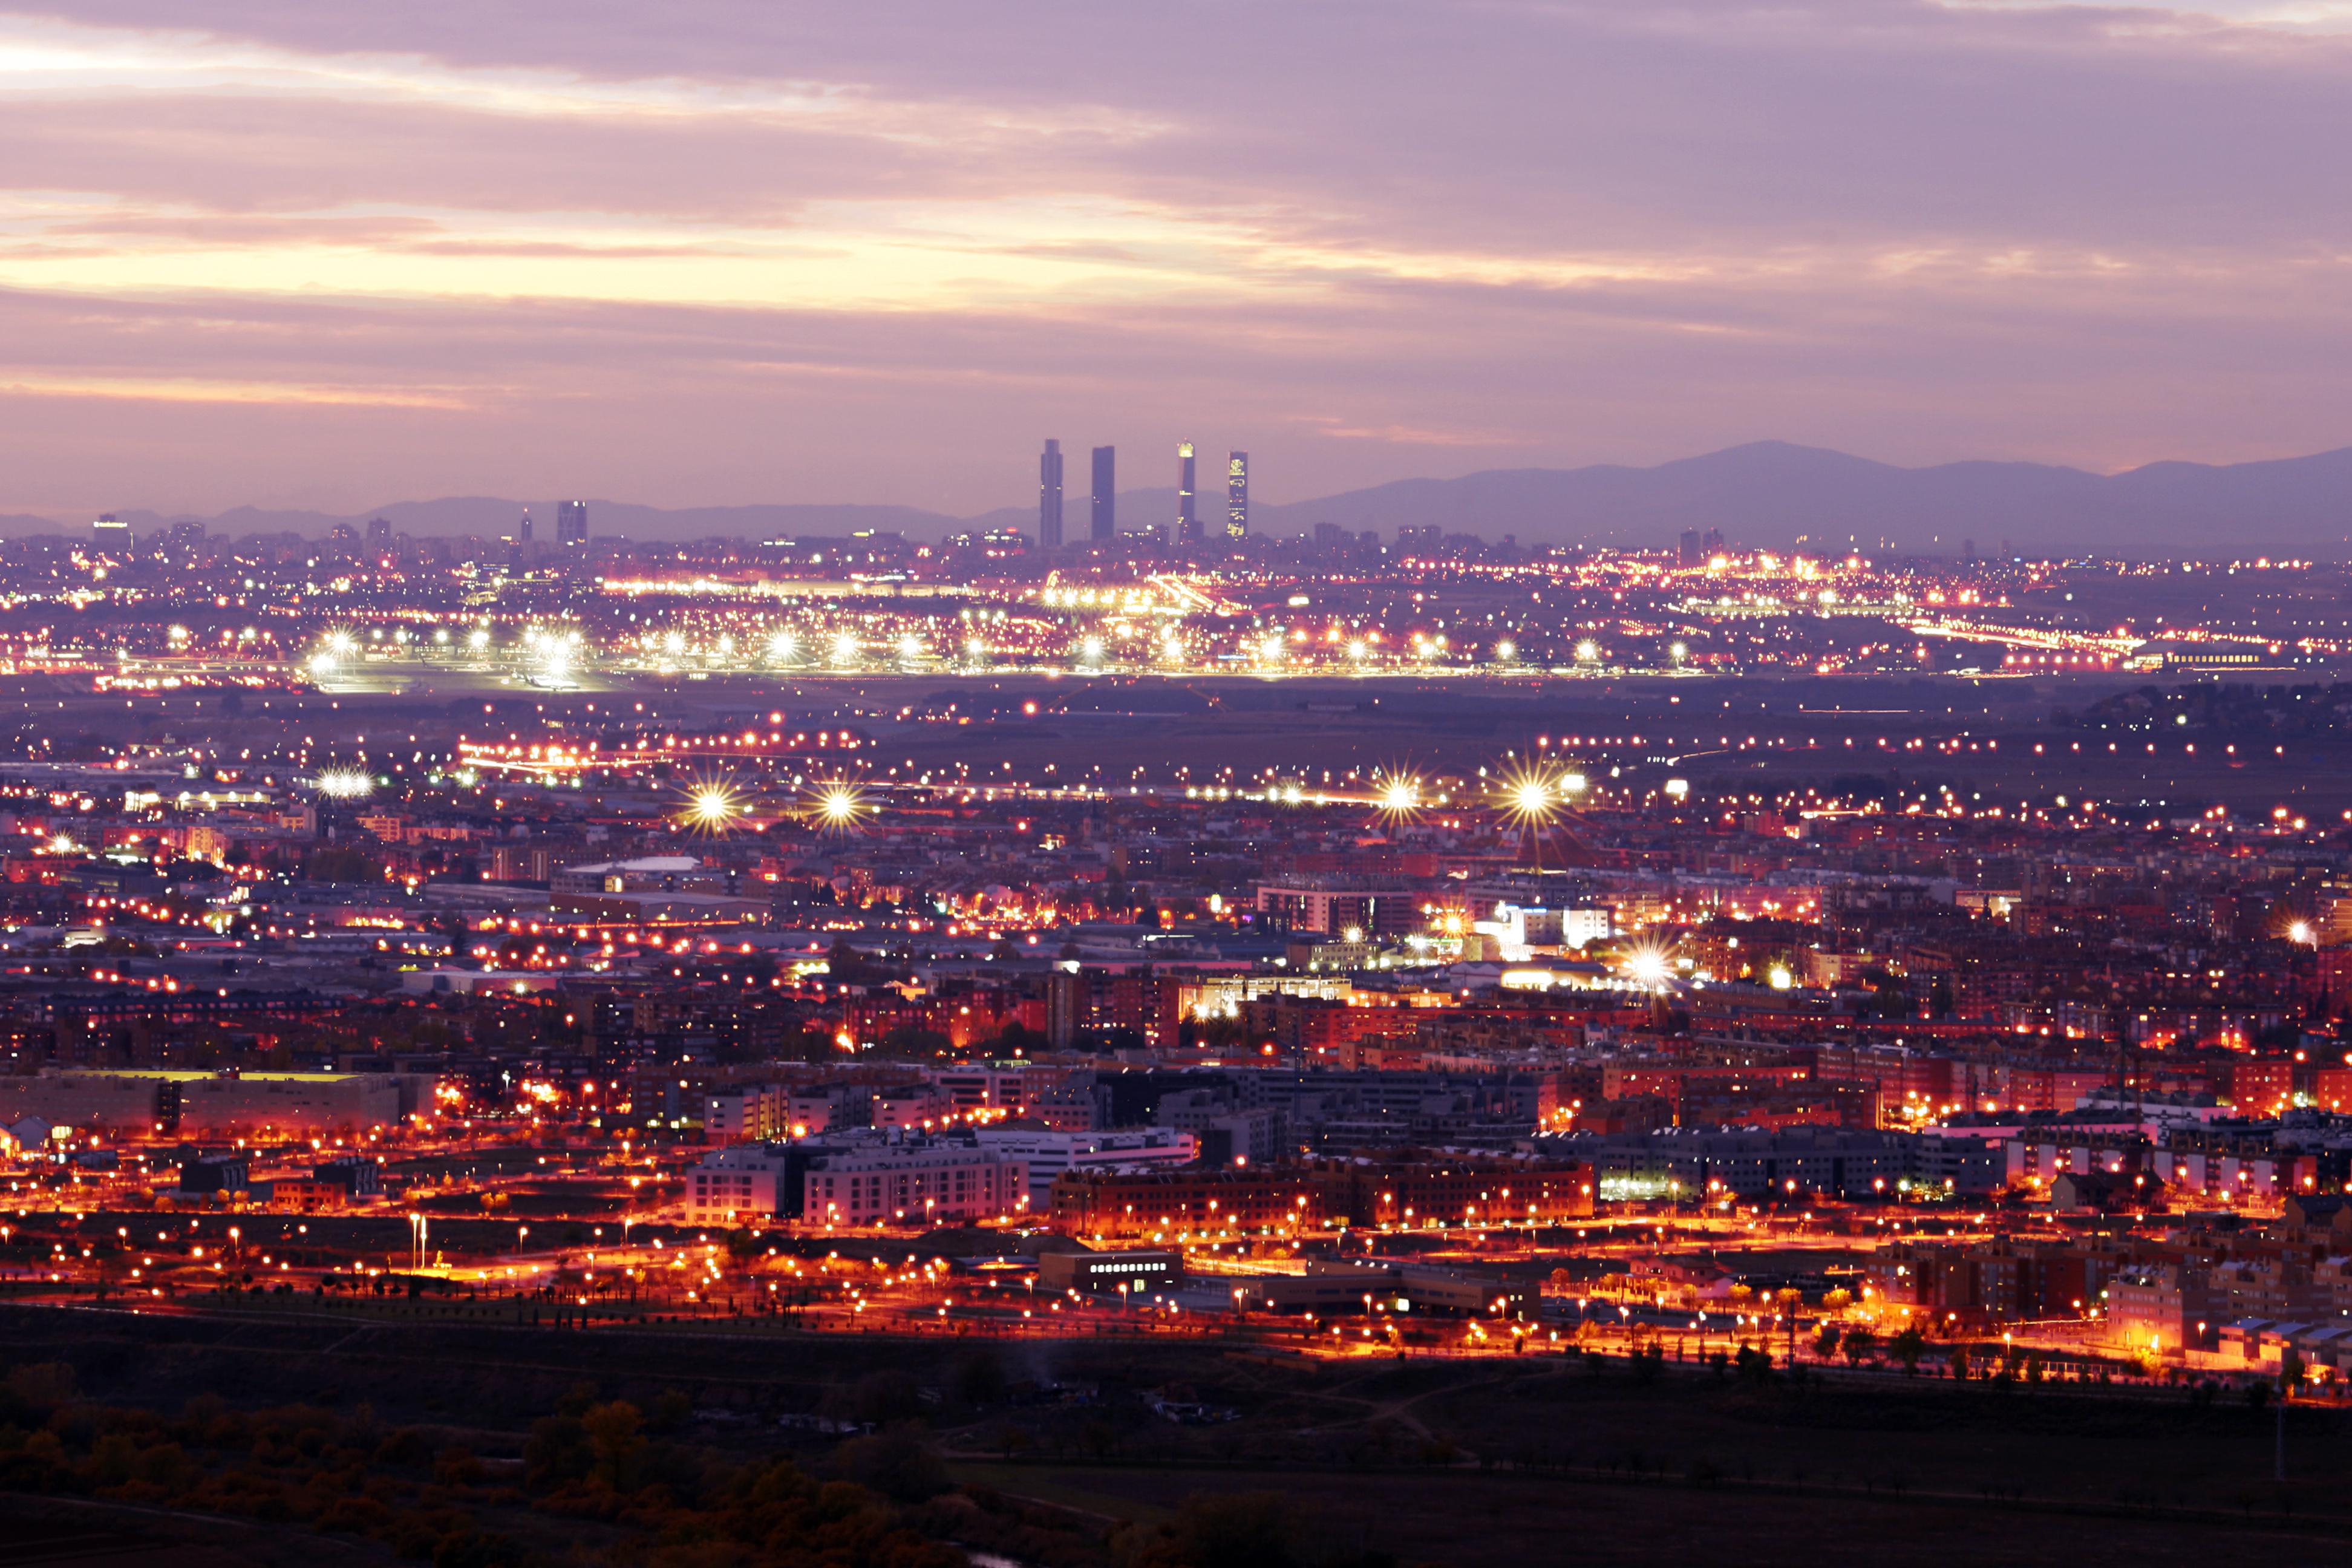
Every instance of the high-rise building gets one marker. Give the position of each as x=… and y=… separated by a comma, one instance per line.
x=1105, y=522
x=1049, y=497
x=522, y=530
x=379, y=534
x=110, y=530
x=1236, y=495
x=1188, y=513
x=571, y=523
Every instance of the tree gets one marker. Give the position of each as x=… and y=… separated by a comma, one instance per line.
x=1826, y=1344
x=1906, y=1347
x=2292, y=1371
x=1960, y=1363
x=615, y=1436
x=1859, y=1342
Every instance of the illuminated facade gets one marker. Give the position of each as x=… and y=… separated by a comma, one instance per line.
x=1188, y=512
x=1236, y=495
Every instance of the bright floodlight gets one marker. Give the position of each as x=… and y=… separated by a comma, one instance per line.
x=837, y=805
x=712, y=805
x=1588, y=650
x=1091, y=650
x=1528, y=797
x=1506, y=651
x=1397, y=796
x=783, y=645
x=345, y=784
x=1647, y=967
x=2299, y=931
x=844, y=649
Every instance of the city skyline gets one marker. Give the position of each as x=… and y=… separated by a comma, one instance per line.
x=374, y=249
x=1698, y=901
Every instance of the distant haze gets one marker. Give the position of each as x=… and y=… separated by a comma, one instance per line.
x=1767, y=493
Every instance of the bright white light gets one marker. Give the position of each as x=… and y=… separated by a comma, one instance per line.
x=346, y=784
x=1588, y=650
x=1091, y=650
x=711, y=806
x=783, y=645
x=838, y=806
x=1506, y=651
x=844, y=649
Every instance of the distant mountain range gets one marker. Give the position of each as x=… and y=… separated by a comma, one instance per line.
x=1766, y=493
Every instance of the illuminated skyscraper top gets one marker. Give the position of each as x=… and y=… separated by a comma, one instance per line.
x=1049, y=497
x=571, y=523
x=1106, y=495
x=1188, y=514
x=1236, y=495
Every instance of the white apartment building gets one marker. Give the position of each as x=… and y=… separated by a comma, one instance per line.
x=919, y=1184
x=735, y=1184
x=1048, y=1154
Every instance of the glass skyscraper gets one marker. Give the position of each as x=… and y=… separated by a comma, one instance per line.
x=1105, y=524
x=1049, y=497
x=1236, y=495
x=1188, y=512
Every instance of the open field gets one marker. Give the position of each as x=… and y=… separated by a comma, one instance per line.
x=1464, y=1463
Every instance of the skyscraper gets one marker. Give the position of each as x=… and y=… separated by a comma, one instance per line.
x=1106, y=515
x=571, y=523
x=522, y=530
x=1236, y=495
x=1188, y=514
x=1049, y=497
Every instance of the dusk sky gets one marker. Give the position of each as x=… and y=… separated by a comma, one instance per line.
x=690, y=253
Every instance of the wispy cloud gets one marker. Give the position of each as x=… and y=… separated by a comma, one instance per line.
x=718, y=252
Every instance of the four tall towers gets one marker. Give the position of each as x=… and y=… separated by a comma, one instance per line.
x=1102, y=522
